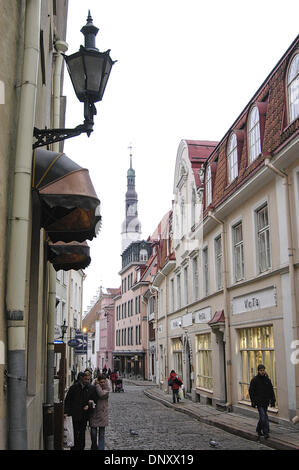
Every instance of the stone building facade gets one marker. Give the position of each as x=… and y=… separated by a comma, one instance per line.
x=230, y=295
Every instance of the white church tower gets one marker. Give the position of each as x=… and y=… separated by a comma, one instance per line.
x=131, y=226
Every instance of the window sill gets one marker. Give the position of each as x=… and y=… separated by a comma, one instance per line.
x=248, y=404
x=201, y=389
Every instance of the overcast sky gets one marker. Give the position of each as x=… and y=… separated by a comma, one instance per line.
x=184, y=70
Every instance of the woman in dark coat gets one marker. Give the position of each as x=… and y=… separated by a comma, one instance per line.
x=174, y=382
x=98, y=419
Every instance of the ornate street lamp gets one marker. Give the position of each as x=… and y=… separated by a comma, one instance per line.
x=64, y=328
x=89, y=71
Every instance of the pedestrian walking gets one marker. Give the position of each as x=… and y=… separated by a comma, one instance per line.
x=113, y=378
x=175, y=383
x=76, y=405
x=89, y=373
x=98, y=419
x=261, y=395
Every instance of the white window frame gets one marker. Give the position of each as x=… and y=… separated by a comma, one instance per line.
x=238, y=253
x=204, y=362
x=232, y=158
x=179, y=290
x=256, y=346
x=186, y=289
x=195, y=278
x=293, y=88
x=254, y=135
x=209, y=186
x=205, y=270
x=171, y=292
x=218, y=262
x=263, y=237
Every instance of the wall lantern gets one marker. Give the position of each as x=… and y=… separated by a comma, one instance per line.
x=89, y=71
x=64, y=328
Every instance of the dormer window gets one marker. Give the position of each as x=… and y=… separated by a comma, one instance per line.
x=143, y=255
x=209, y=186
x=293, y=88
x=232, y=158
x=254, y=137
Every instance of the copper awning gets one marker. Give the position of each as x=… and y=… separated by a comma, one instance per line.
x=70, y=206
x=68, y=256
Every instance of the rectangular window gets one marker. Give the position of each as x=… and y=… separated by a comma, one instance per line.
x=263, y=239
x=178, y=284
x=138, y=335
x=218, y=262
x=204, y=362
x=205, y=267
x=256, y=347
x=177, y=356
x=186, y=286
x=171, y=295
x=238, y=252
x=195, y=279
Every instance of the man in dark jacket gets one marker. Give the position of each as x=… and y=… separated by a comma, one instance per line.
x=77, y=405
x=262, y=394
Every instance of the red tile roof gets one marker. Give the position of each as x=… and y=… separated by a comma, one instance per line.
x=199, y=151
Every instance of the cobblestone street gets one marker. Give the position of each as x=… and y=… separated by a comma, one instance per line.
x=139, y=423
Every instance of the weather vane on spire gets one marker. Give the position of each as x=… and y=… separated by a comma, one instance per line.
x=130, y=148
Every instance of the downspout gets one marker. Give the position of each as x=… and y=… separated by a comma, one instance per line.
x=156, y=294
x=228, y=358
x=291, y=248
x=166, y=332
x=20, y=226
x=60, y=47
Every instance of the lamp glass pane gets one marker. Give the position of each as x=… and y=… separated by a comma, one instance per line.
x=94, y=65
x=108, y=67
x=77, y=74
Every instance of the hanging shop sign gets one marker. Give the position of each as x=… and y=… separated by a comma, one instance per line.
x=81, y=348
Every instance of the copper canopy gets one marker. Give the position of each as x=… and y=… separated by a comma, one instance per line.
x=70, y=206
x=68, y=256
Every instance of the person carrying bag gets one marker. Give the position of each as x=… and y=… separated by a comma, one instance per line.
x=175, y=383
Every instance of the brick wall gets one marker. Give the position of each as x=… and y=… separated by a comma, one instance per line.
x=276, y=131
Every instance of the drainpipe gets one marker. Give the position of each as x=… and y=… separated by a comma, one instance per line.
x=20, y=226
x=60, y=47
x=156, y=294
x=166, y=332
x=228, y=370
x=291, y=248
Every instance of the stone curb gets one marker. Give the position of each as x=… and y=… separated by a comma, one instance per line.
x=271, y=442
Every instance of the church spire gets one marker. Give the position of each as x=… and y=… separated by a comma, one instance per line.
x=130, y=148
x=131, y=227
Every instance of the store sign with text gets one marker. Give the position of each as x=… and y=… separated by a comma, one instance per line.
x=257, y=300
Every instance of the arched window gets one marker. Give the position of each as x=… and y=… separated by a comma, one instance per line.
x=254, y=138
x=209, y=186
x=293, y=88
x=232, y=158
x=143, y=255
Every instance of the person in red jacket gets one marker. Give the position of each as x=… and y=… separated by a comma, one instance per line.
x=113, y=378
x=174, y=382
